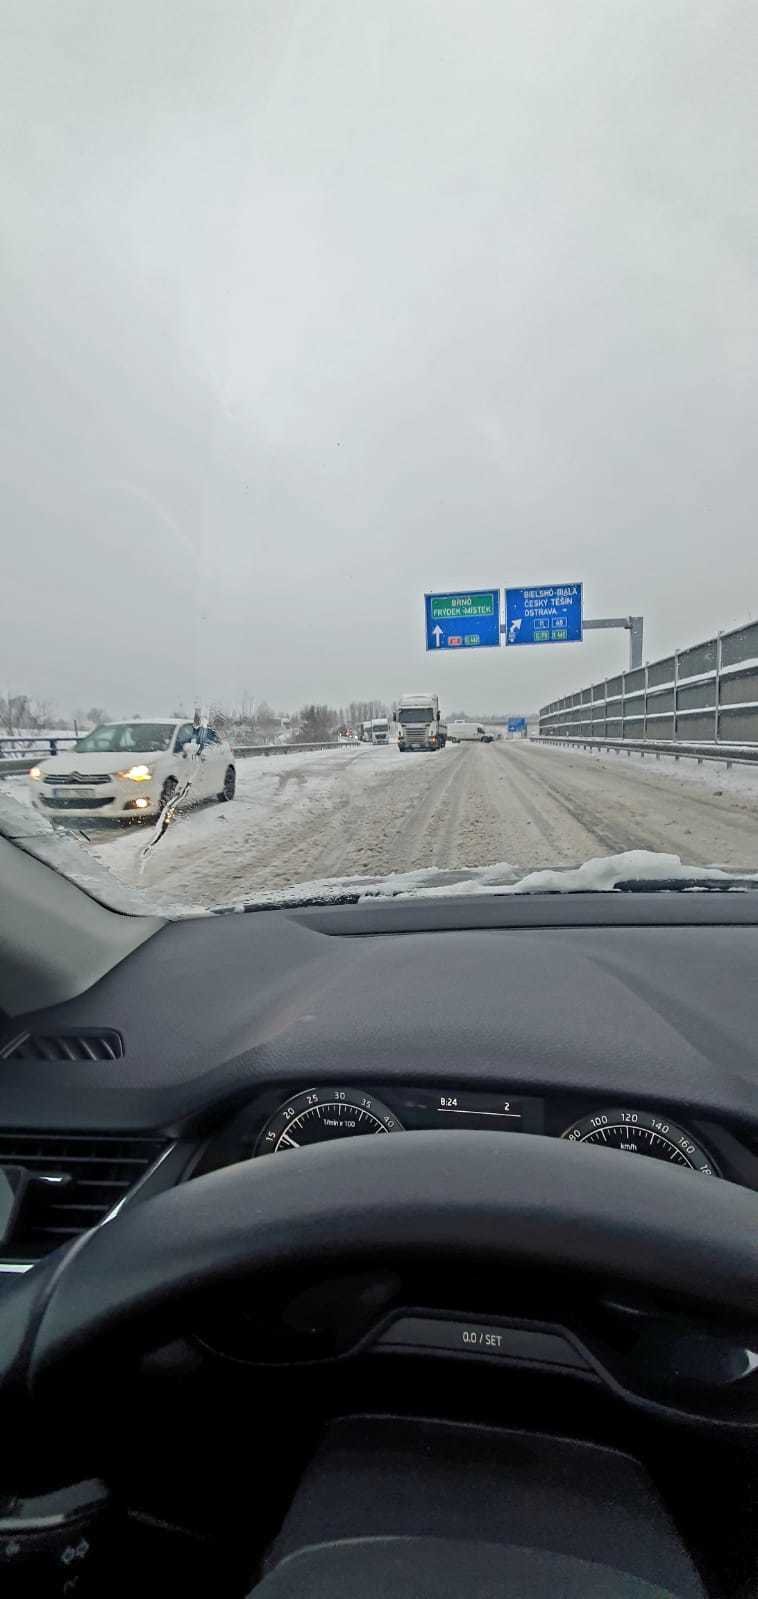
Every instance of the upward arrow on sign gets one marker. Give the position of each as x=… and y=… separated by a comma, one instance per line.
x=437, y=634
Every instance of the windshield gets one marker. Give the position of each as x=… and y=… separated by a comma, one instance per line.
x=143, y=736
x=355, y=355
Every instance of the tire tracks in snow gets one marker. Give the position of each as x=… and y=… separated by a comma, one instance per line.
x=628, y=809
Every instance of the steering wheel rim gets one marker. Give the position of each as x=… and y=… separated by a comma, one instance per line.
x=504, y=1199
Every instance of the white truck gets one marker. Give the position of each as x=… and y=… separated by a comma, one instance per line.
x=419, y=724
x=380, y=730
x=465, y=732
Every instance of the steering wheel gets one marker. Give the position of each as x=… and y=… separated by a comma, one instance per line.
x=496, y=1200
x=500, y=1199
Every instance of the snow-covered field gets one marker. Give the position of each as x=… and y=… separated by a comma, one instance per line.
x=367, y=811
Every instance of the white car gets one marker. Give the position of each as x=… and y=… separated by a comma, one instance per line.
x=131, y=769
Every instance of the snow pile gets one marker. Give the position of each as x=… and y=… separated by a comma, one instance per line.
x=604, y=873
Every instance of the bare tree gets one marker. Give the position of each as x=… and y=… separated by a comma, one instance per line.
x=222, y=720
x=317, y=724
x=21, y=711
x=266, y=721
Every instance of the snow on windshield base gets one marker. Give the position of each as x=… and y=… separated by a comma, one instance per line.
x=598, y=876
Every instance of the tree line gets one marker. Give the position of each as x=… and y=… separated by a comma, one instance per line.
x=256, y=723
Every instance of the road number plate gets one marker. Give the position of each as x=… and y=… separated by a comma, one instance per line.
x=74, y=793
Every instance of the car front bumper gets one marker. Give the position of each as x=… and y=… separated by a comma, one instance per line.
x=118, y=797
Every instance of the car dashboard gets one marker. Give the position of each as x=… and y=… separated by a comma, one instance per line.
x=627, y=1029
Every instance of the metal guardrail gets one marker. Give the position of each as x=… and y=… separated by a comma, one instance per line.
x=24, y=763
x=705, y=694
x=43, y=743
x=729, y=756
x=246, y=750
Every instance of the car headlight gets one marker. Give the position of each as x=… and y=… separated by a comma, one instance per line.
x=138, y=774
x=36, y=773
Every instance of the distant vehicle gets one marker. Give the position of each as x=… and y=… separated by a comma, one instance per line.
x=380, y=730
x=365, y=733
x=419, y=724
x=468, y=732
x=132, y=769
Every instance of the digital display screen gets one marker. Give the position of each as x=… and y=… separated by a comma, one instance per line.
x=451, y=1107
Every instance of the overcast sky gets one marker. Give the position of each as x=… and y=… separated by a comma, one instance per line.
x=311, y=305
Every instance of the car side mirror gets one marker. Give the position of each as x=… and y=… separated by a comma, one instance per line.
x=438, y=716
x=394, y=716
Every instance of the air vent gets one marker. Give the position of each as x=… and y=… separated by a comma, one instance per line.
x=87, y=1044
x=100, y=1171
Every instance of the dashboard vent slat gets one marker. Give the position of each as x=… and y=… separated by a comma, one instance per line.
x=102, y=1170
x=93, y=1044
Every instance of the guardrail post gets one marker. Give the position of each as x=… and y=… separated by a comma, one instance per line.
x=717, y=689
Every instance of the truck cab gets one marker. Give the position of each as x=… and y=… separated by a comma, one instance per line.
x=419, y=723
x=380, y=730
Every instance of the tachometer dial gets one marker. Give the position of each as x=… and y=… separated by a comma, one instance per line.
x=325, y=1113
x=639, y=1132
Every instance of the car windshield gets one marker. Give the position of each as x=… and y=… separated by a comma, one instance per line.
x=381, y=396
x=132, y=736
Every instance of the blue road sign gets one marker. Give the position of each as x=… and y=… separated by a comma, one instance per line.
x=465, y=620
x=516, y=724
x=550, y=614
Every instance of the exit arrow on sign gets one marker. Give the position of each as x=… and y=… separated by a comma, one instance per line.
x=437, y=634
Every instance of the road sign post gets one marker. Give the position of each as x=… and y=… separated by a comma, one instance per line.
x=466, y=619
x=547, y=614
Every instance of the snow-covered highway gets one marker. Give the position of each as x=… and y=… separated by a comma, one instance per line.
x=300, y=817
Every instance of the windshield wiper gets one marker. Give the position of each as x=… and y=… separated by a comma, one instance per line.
x=685, y=885
x=287, y=903
x=614, y=875
x=632, y=885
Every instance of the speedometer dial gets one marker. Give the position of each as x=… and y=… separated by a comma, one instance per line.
x=325, y=1113
x=639, y=1132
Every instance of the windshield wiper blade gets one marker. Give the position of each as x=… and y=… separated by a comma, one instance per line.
x=592, y=879
x=286, y=903
x=685, y=885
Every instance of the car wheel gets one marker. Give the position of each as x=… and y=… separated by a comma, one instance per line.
x=168, y=791
x=230, y=784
